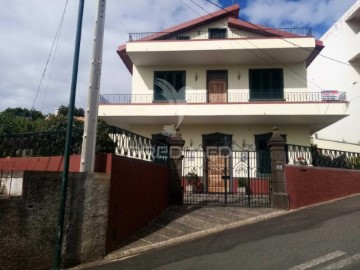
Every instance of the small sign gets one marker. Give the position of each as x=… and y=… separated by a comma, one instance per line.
x=330, y=95
x=279, y=167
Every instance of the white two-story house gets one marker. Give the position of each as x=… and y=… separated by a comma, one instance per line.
x=219, y=77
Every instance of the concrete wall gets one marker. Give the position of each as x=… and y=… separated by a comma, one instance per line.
x=139, y=193
x=97, y=219
x=311, y=185
x=28, y=224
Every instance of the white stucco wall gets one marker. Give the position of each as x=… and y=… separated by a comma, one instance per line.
x=299, y=134
x=201, y=32
x=342, y=42
x=295, y=74
x=143, y=77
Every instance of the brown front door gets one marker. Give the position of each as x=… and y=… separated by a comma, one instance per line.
x=217, y=86
x=215, y=171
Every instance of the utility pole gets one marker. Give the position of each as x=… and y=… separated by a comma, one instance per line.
x=65, y=174
x=91, y=112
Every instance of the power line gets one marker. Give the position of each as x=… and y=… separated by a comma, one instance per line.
x=191, y=8
x=56, y=37
x=52, y=64
x=263, y=59
x=324, y=56
x=200, y=7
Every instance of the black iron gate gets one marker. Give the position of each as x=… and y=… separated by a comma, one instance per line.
x=222, y=176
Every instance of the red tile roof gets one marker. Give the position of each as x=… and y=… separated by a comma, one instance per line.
x=227, y=12
x=232, y=13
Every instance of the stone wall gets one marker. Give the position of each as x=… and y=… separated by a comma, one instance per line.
x=28, y=224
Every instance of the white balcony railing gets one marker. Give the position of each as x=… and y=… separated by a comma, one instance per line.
x=299, y=97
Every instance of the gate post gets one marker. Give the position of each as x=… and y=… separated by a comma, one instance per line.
x=176, y=144
x=279, y=196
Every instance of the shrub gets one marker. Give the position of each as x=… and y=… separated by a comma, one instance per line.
x=353, y=163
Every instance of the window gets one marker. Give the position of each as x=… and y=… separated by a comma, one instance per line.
x=217, y=33
x=266, y=83
x=160, y=147
x=263, y=153
x=169, y=85
x=182, y=37
x=160, y=138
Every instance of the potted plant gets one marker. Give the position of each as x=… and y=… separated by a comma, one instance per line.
x=301, y=161
x=241, y=185
x=192, y=180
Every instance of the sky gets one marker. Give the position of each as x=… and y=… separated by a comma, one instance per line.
x=28, y=29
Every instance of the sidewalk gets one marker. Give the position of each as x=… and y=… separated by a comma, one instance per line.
x=183, y=223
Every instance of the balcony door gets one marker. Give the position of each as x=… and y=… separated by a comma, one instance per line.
x=217, y=86
x=266, y=84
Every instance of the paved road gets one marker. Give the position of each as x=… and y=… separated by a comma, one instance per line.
x=322, y=237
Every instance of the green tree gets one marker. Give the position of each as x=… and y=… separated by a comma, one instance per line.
x=23, y=112
x=22, y=120
x=10, y=123
x=49, y=132
x=63, y=110
x=104, y=144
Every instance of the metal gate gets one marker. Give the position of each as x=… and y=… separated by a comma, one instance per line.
x=222, y=176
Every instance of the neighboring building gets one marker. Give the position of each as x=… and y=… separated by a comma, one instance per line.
x=335, y=145
x=342, y=43
x=222, y=80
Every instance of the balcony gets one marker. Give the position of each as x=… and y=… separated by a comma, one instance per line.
x=245, y=97
x=222, y=46
x=313, y=109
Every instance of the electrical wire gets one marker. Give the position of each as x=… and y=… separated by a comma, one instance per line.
x=200, y=7
x=324, y=56
x=276, y=60
x=268, y=55
x=51, y=68
x=56, y=37
x=191, y=8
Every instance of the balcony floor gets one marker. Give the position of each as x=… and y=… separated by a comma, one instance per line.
x=230, y=51
x=316, y=115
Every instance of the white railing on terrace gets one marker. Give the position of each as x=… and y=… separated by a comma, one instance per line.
x=313, y=156
x=300, y=97
x=222, y=34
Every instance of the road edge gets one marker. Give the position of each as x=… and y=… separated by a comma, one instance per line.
x=122, y=255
